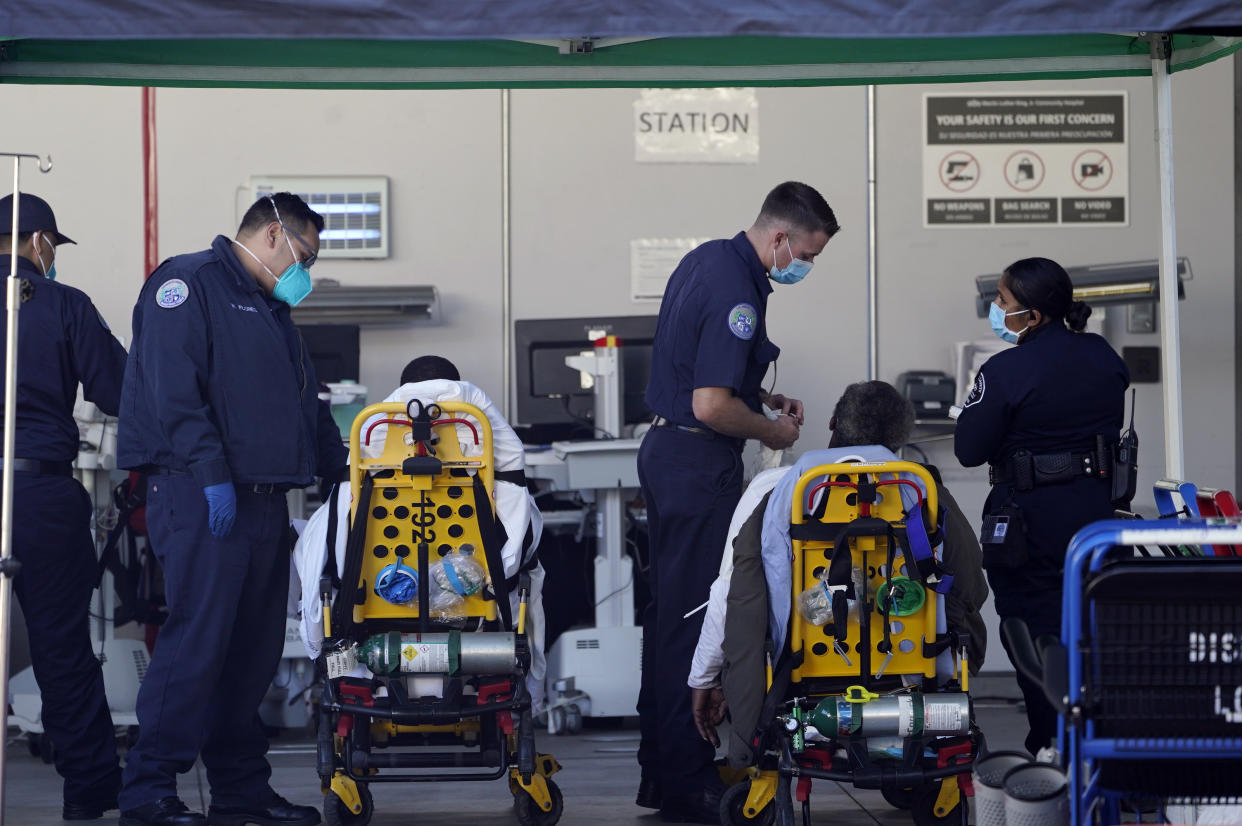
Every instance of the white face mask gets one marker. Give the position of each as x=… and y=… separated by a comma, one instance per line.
x=49, y=272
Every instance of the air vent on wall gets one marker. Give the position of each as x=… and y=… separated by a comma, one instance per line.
x=354, y=210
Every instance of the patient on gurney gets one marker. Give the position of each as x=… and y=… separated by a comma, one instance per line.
x=435, y=379
x=750, y=600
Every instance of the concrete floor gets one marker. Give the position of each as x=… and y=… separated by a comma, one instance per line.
x=599, y=779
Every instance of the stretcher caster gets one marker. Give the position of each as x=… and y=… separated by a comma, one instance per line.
x=336, y=812
x=898, y=798
x=734, y=811
x=938, y=804
x=530, y=813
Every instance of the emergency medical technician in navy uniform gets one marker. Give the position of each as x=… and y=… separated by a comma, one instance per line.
x=1034, y=414
x=710, y=355
x=220, y=405
x=61, y=342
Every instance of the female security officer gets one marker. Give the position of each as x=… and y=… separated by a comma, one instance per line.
x=1044, y=415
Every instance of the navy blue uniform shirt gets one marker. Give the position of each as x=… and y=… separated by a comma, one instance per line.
x=711, y=331
x=62, y=342
x=219, y=383
x=1052, y=393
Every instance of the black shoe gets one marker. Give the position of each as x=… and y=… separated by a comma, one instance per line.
x=276, y=812
x=167, y=811
x=703, y=807
x=88, y=809
x=650, y=794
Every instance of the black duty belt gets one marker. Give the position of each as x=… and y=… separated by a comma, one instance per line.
x=1025, y=470
x=702, y=432
x=40, y=467
x=261, y=488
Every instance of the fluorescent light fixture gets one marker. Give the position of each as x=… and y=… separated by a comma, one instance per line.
x=345, y=209
x=366, y=306
x=349, y=234
x=1100, y=285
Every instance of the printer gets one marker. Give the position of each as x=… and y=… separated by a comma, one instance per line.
x=932, y=392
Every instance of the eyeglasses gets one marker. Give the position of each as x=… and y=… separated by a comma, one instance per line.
x=313, y=257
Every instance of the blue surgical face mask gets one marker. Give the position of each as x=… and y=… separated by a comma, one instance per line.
x=49, y=272
x=791, y=274
x=293, y=285
x=997, y=316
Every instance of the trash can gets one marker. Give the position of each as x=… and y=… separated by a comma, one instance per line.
x=989, y=780
x=1036, y=794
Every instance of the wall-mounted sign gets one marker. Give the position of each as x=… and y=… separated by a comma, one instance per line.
x=696, y=126
x=1043, y=159
x=652, y=261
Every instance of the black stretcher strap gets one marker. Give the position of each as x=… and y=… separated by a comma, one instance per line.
x=347, y=597
x=493, y=535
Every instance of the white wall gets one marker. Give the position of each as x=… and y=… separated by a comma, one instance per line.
x=579, y=197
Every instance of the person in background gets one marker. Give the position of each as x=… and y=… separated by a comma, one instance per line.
x=1038, y=413
x=710, y=354
x=220, y=407
x=62, y=342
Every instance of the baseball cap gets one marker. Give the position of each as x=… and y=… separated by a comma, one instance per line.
x=33, y=214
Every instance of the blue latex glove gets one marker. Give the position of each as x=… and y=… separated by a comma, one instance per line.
x=221, y=508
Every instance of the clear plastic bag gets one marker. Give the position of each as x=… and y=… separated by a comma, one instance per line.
x=458, y=573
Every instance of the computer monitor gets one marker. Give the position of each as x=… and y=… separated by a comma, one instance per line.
x=333, y=349
x=551, y=401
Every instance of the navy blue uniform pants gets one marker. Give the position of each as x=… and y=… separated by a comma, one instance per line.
x=52, y=540
x=1053, y=514
x=218, y=651
x=690, y=484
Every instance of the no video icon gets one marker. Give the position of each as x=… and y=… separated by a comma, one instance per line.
x=1092, y=170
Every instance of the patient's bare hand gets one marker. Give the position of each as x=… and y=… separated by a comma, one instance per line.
x=709, y=707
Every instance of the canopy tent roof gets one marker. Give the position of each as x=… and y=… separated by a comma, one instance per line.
x=725, y=61
x=544, y=44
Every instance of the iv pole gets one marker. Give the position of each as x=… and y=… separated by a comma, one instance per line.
x=8, y=565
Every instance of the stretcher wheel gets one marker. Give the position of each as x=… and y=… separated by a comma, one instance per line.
x=898, y=798
x=529, y=813
x=923, y=806
x=336, y=813
x=733, y=808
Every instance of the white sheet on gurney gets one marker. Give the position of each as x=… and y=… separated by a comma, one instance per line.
x=514, y=506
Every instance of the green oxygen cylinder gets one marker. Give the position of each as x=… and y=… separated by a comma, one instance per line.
x=903, y=715
x=393, y=652
x=450, y=652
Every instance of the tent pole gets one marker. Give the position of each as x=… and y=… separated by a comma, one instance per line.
x=506, y=271
x=1170, y=339
x=873, y=299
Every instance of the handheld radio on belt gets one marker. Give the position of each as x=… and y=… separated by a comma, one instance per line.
x=1125, y=464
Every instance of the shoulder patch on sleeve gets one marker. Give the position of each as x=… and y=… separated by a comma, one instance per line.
x=172, y=293
x=977, y=391
x=742, y=321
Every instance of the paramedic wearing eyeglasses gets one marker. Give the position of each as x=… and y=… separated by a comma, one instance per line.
x=220, y=406
x=1044, y=415
x=709, y=358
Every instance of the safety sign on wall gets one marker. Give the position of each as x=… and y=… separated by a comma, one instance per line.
x=1043, y=159
x=696, y=126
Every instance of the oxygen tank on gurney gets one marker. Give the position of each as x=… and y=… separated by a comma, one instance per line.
x=865, y=714
x=450, y=652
